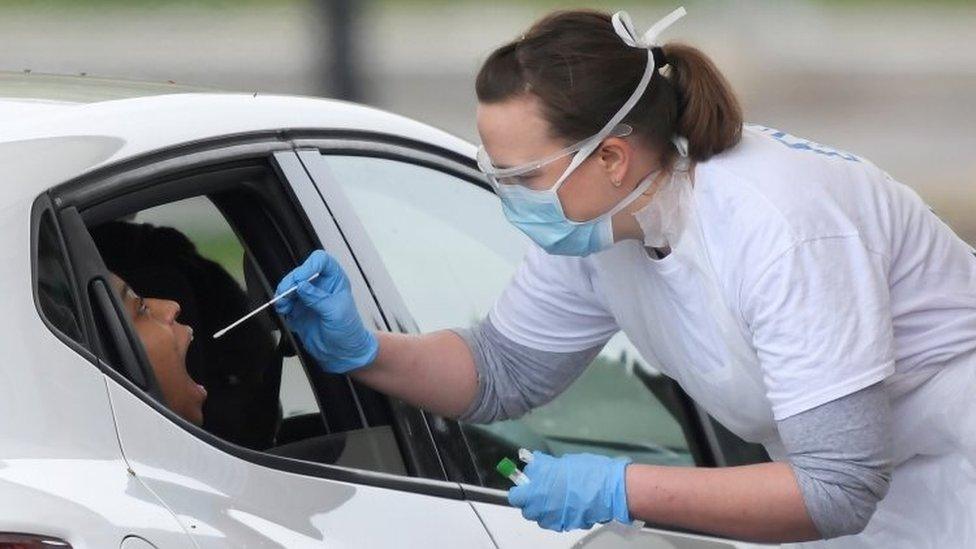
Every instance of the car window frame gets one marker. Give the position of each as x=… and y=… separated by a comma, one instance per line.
x=452, y=445
x=43, y=206
x=102, y=185
x=457, y=454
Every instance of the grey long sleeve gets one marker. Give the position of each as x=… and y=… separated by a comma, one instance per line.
x=841, y=455
x=513, y=378
x=839, y=451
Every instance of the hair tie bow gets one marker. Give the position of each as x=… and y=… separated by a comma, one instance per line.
x=624, y=27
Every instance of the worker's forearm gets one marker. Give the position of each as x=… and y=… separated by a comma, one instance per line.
x=433, y=371
x=760, y=503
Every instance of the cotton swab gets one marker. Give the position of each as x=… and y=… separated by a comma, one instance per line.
x=287, y=292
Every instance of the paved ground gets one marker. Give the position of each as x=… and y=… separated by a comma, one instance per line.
x=892, y=84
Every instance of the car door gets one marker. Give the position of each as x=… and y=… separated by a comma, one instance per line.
x=436, y=249
x=232, y=492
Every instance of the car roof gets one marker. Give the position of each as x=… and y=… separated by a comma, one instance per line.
x=46, y=138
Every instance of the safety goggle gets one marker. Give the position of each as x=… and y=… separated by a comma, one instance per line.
x=522, y=175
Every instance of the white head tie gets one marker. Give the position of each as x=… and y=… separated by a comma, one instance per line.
x=624, y=26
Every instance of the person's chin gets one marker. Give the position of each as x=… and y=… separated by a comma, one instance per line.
x=196, y=415
x=197, y=418
x=185, y=342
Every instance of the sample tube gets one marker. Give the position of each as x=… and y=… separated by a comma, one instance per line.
x=509, y=470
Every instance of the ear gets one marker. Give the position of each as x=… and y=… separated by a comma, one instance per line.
x=614, y=157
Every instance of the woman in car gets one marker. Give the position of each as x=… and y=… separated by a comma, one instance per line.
x=166, y=342
x=241, y=371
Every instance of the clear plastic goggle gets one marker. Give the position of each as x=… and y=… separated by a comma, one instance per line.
x=520, y=175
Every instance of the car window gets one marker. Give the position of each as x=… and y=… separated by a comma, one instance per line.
x=259, y=393
x=203, y=224
x=53, y=283
x=450, y=252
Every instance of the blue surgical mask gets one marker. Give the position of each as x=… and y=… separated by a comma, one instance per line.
x=539, y=213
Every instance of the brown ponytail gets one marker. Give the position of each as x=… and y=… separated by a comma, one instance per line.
x=710, y=116
x=582, y=72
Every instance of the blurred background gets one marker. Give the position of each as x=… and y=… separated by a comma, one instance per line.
x=892, y=81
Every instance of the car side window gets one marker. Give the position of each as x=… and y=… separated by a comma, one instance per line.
x=260, y=393
x=203, y=224
x=450, y=252
x=206, y=228
x=54, y=292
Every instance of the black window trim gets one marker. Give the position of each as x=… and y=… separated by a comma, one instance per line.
x=43, y=205
x=100, y=185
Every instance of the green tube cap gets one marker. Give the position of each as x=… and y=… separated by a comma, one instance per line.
x=506, y=467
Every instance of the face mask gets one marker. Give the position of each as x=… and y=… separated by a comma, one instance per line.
x=539, y=213
x=662, y=219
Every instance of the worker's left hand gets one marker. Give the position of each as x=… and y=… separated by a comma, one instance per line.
x=573, y=491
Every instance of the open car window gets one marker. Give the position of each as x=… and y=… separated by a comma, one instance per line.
x=205, y=249
x=205, y=227
x=186, y=252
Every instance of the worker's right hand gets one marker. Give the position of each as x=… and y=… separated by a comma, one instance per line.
x=323, y=315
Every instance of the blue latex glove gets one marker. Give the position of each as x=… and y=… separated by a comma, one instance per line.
x=573, y=491
x=323, y=315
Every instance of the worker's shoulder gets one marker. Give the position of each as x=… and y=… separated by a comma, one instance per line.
x=774, y=181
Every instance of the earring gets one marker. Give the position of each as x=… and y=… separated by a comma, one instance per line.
x=616, y=183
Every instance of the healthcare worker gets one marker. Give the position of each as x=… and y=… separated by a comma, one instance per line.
x=805, y=299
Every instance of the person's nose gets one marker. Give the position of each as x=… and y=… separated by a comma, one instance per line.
x=166, y=310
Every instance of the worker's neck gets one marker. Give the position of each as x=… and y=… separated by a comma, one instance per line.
x=625, y=225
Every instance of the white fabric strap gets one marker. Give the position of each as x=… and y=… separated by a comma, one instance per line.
x=681, y=145
x=624, y=25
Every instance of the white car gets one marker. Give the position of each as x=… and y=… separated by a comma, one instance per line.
x=237, y=189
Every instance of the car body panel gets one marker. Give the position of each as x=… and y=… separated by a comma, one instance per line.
x=510, y=530
x=225, y=501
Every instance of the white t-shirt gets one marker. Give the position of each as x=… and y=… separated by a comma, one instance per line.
x=838, y=275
